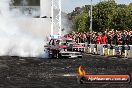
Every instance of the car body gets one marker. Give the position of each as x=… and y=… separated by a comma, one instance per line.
x=70, y=54
x=73, y=46
x=58, y=48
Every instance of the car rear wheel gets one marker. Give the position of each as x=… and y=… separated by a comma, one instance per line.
x=51, y=56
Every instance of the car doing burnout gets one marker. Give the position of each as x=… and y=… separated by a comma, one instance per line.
x=58, y=48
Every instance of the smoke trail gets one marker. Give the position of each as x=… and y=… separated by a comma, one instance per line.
x=66, y=24
x=24, y=2
x=13, y=41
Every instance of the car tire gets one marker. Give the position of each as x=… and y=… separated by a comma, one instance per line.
x=51, y=56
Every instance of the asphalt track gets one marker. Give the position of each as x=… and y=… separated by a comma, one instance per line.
x=18, y=72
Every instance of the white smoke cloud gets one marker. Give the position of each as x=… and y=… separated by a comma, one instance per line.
x=66, y=24
x=15, y=42
x=24, y=2
x=22, y=36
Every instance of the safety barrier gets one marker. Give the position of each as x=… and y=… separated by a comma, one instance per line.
x=110, y=50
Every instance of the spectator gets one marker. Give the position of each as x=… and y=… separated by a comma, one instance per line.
x=109, y=37
x=88, y=38
x=103, y=39
x=98, y=39
x=115, y=39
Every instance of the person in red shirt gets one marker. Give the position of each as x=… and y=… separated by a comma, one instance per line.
x=98, y=39
x=103, y=39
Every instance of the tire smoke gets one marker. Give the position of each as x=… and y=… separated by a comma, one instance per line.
x=21, y=36
x=13, y=40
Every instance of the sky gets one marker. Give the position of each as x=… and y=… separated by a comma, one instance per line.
x=69, y=5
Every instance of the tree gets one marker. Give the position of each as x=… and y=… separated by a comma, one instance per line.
x=103, y=15
x=119, y=19
x=106, y=15
x=81, y=22
x=129, y=16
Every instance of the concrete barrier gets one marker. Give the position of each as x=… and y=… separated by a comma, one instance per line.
x=110, y=50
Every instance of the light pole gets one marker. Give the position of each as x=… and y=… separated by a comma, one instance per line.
x=91, y=17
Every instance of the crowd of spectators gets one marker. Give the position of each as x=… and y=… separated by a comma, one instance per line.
x=108, y=37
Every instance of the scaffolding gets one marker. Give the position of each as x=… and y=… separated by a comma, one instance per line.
x=56, y=16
